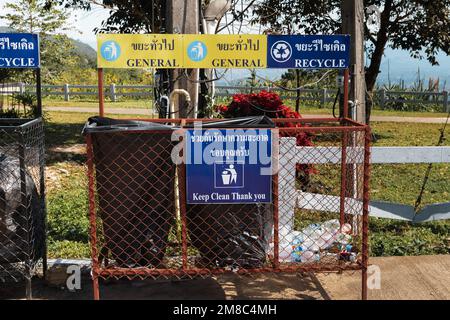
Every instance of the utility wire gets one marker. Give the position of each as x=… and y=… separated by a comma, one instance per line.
x=205, y=81
x=335, y=101
x=295, y=89
x=430, y=165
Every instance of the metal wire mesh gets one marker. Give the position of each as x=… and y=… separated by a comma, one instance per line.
x=320, y=216
x=142, y=226
x=22, y=199
x=15, y=102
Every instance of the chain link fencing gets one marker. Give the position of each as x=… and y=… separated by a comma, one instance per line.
x=141, y=225
x=22, y=200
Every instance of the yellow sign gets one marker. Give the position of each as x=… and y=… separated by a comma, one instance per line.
x=164, y=51
x=225, y=51
x=169, y=51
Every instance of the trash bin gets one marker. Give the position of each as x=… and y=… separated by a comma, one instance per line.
x=232, y=235
x=135, y=188
x=22, y=199
x=17, y=211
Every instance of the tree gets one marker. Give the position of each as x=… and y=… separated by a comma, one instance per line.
x=126, y=16
x=420, y=26
x=45, y=18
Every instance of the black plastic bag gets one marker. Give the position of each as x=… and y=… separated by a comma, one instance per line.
x=21, y=218
x=135, y=187
x=235, y=235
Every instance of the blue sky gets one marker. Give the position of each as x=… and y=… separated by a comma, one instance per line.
x=401, y=65
x=82, y=23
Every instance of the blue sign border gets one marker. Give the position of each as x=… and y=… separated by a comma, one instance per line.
x=308, y=51
x=21, y=49
x=201, y=177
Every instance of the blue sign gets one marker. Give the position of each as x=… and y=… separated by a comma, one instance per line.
x=19, y=50
x=308, y=51
x=228, y=166
x=197, y=51
x=110, y=50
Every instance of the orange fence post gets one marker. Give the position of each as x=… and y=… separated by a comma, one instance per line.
x=101, y=96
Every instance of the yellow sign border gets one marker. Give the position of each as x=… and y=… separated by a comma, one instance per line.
x=170, y=51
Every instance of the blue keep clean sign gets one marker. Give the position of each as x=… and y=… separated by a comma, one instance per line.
x=308, y=51
x=229, y=166
x=19, y=50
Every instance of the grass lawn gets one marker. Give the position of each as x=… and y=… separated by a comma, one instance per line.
x=386, y=113
x=67, y=192
x=125, y=104
x=148, y=104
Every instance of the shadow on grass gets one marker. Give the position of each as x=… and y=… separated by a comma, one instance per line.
x=64, y=142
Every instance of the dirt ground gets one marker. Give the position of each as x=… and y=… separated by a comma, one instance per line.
x=407, y=278
x=227, y=287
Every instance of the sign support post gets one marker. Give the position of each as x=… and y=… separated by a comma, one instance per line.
x=346, y=80
x=101, y=97
x=353, y=24
x=39, y=92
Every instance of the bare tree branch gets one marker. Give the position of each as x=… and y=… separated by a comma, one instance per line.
x=236, y=18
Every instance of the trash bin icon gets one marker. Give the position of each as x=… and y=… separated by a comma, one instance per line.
x=226, y=177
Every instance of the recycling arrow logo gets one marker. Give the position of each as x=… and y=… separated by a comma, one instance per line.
x=281, y=51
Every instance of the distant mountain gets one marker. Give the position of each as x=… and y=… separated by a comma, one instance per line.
x=86, y=51
x=235, y=77
x=397, y=65
x=82, y=49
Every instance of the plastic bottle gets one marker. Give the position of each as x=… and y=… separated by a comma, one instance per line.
x=332, y=225
x=311, y=231
x=285, y=244
x=326, y=240
x=310, y=245
x=346, y=228
x=309, y=256
x=343, y=238
x=329, y=232
x=297, y=251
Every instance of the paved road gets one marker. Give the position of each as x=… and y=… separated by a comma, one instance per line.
x=406, y=278
x=149, y=113
x=402, y=278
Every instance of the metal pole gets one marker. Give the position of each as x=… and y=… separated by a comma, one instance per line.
x=182, y=199
x=42, y=196
x=182, y=18
x=343, y=194
x=345, y=115
x=92, y=218
x=345, y=107
x=276, y=222
x=27, y=214
x=352, y=13
x=182, y=206
x=101, y=98
x=39, y=92
x=365, y=223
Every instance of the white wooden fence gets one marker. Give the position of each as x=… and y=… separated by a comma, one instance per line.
x=319, y=96
x=330, y=203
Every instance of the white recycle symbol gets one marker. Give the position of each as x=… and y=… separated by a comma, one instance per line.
x=281, y=51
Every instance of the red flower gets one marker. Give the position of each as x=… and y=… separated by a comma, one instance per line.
x=271, y=105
